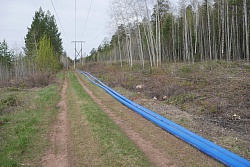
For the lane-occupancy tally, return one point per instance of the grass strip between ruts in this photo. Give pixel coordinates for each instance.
(115, 148)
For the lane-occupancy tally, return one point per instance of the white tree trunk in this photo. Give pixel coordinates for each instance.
(209, 32)
(222, 29)
(246, 30)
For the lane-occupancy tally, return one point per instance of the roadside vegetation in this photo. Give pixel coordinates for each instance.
(96, 139)
(25, 118)
(29, 92)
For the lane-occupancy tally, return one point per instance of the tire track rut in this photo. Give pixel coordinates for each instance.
(58, 153)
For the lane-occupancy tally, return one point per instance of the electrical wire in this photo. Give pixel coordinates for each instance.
(87, 18)
(75, 20)
(59, 21)
(93, 39)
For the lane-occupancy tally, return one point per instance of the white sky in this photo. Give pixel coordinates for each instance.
(17, 15)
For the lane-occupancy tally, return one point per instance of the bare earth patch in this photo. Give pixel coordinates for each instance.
(58, 153)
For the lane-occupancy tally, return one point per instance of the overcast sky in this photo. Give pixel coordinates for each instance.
(17, 15)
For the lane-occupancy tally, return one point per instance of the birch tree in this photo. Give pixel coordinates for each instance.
(246, 29)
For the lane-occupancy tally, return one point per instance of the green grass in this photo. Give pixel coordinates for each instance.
(23, 132)
(60, 77)
(116, 149)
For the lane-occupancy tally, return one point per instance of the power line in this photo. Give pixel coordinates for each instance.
(93, 39)
(86, 18)
(60, 21)
(75, 20)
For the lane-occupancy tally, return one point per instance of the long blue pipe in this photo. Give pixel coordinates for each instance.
(224, 156)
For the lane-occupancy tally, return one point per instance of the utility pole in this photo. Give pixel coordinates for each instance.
(77, 53)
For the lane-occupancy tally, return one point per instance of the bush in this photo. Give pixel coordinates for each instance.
(7, 101)
(39, 80)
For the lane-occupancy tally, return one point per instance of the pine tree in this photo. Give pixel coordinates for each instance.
(5, 61)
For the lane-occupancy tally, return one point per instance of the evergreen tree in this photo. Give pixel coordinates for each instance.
(5, 61)
(5, 53)
(43, 24)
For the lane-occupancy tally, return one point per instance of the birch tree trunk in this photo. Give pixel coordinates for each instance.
(209, 31)
(228, 50)
(173, 40)
(237, 33)
(119, 47)
(186, 36)
(148, 45)
(246, 30)
(157, 29)
(140, 46)
(151, 41)
(222, 29)
(196, 32)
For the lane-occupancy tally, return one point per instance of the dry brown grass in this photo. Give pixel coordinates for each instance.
(30, 81)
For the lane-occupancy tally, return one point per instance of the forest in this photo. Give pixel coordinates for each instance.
(195, 31)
